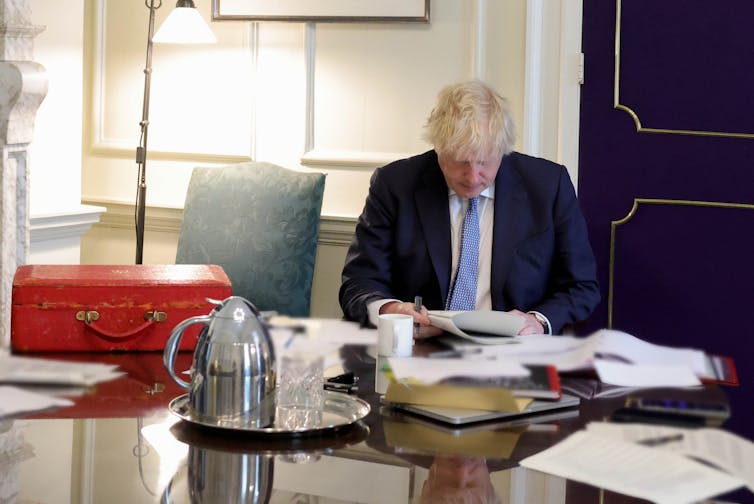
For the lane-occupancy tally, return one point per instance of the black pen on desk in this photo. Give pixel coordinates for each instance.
(418, 309)
(660, 440)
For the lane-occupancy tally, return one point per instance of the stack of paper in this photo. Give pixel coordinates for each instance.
(618, 358)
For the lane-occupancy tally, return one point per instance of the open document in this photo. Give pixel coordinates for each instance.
(480, 326)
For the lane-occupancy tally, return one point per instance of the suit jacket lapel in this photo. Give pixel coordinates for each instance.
(508, 195)
(432, 201)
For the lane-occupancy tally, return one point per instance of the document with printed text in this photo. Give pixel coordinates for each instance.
(632, 469)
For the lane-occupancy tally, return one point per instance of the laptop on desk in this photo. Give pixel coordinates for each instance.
(534, 412)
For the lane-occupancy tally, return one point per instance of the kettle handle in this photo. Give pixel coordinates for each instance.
(171, 347)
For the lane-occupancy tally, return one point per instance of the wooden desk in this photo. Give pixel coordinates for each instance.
(120, 444)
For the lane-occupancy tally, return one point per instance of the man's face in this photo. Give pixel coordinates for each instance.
(457, 478)
(469, 177)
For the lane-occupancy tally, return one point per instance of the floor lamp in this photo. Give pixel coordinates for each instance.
(184, 25)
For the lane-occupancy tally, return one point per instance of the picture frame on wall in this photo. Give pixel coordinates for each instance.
(416, 11)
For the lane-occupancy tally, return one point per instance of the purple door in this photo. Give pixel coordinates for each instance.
(666, 174)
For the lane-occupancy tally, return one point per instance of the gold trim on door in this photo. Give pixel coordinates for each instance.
(650, 201)
(639, 128)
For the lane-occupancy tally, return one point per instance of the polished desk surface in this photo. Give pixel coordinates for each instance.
(119, 443)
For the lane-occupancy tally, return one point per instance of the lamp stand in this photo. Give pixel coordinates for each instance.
(141, 150)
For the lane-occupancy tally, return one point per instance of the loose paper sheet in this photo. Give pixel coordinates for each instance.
(639, 351)
(322, 336)
(645, 375)
(334, 332)
(632, 469)
(567, 353)
(724, 449)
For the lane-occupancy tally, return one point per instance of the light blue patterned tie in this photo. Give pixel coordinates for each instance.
(463, 293)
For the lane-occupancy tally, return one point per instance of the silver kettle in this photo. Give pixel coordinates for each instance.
(233, 370)
(213, 475)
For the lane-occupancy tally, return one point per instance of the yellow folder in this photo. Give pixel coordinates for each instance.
(480, 398)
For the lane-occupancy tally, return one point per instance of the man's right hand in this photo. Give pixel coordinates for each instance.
(426, 329)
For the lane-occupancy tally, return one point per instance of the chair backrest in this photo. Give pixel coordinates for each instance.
(260, 222)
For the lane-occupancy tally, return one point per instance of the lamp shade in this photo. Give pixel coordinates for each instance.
(184, 25)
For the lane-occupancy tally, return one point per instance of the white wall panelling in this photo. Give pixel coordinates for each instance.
(532, 128)
(56, 238)
(552, 95)
(340, 98)
(201, 106)
(336, 97)
(480, 34)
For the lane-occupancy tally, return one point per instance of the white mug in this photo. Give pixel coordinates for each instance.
(395, 335)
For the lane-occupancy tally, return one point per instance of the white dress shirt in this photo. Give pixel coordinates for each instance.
(457, 207)
(486, 208)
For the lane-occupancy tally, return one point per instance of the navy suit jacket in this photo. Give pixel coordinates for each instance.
(541, 256)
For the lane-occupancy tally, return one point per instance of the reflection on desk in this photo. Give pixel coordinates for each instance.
(120, 444)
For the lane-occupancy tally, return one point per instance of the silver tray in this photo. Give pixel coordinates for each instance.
(340, 411)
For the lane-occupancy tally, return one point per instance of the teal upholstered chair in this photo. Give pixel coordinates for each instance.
(260, 222)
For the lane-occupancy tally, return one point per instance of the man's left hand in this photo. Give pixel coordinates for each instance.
(531, 324)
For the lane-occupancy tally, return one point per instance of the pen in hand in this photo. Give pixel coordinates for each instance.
(418, 309)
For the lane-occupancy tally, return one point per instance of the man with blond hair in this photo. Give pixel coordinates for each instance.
(471, 224)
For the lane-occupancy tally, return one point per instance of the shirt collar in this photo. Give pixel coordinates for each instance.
(488, 193)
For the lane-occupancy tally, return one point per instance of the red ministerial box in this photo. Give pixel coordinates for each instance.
(110, 307)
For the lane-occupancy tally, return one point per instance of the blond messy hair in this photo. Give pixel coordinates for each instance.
(470, 121)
